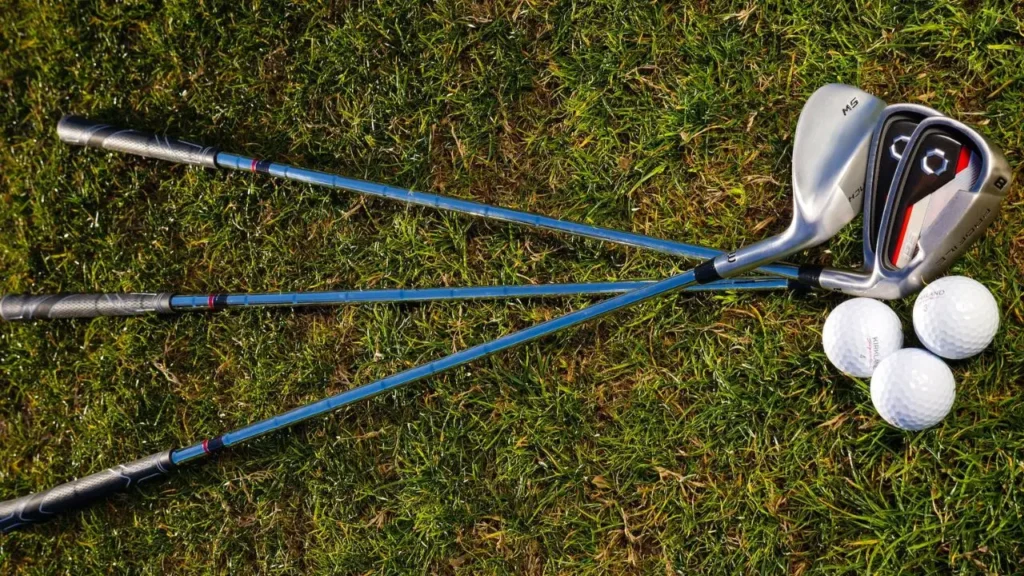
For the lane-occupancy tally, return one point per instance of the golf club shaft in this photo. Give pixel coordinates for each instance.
(75, 494)
(44, 505)
(56, 306)
(83, 132)
(183, 303)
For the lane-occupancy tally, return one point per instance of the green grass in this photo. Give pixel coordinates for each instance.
(693, 434)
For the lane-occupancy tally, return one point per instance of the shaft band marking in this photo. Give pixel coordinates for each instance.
(213, 444)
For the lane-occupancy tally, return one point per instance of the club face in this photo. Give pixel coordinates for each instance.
(829, 156)
(940, 166)
(944, 195)
(888, 142)
(954, 180)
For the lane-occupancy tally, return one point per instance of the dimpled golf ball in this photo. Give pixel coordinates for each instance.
(956, 317)
(859, 333)
(913, 389)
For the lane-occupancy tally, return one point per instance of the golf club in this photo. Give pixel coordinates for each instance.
(830, 148)
(895, 127)
(80, 131)
(94, 305)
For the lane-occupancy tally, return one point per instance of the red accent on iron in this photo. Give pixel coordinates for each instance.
(964, 160)
(903, 233)
(209, 301)
(206, 448)
(253, 165)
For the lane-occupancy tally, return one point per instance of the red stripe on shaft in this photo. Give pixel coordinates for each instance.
(206, 448)
(903, 233)
(964, 160)
(209, 301)
(253, 165)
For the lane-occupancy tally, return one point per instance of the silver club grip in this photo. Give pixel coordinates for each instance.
(54, 306)
(84, 132)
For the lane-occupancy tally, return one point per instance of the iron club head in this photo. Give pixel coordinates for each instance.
(945, 192)
(889, 141)
(829, 156)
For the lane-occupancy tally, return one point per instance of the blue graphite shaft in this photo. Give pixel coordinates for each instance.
(188, 302)
(42, 506)
(38, 507)
(84, 132)
(55, 306)
(207, 447)
(315, 177)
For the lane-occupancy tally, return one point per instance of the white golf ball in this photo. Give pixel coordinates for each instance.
(956, 317)
(913, 389)
(859, 333)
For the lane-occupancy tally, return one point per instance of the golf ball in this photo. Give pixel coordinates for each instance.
(859, 333)
(913, 389)
(956, 317)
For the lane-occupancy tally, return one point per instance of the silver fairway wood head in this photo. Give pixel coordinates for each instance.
(829, 156)
(945, 192)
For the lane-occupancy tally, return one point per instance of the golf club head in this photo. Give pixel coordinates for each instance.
(829, 156)
(945, 192)
(889, 141)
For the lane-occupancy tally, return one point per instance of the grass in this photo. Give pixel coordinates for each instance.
(701, 434)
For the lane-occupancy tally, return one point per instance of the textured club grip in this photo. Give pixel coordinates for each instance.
(78, 493)
(83, 132)
(55, 306)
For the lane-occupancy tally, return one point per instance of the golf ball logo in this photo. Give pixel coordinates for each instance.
(929, 296)
(956, 317)
(874, 350)
(859, 334)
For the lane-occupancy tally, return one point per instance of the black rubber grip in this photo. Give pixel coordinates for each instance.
(56, 306)
(43, 506)
(84, 132)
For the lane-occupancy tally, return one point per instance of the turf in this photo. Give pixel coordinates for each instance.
(694, 434)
